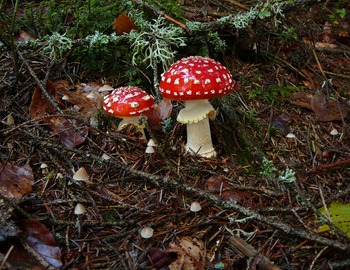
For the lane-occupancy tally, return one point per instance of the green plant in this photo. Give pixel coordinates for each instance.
(273, 93)
(272, 173)
(57, 45)
(75, 18)
(154, 41)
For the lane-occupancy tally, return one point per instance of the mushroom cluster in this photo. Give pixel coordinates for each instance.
(129, 103)
(195, 80)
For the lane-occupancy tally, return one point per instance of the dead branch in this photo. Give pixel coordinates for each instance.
(171, 183)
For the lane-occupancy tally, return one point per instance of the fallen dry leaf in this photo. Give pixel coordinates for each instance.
(325, 110)
(159, 259)
(160, 112)
(218, 183)
(24, 36)
(67, 133)
(40, 106)
(15, 181)
(328, 110)
(189, 253)
(123, 24)
(41, 241)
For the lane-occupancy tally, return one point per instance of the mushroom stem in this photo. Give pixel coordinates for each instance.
(199, 139)
(133, 121)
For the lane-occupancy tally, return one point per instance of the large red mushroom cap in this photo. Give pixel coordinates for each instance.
(196, 77)
(128, 101)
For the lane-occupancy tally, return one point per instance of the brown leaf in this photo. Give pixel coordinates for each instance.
(123, 24)
(325, 110)
(24, 36)
(43, 244)
(328, 110)
(301, 99)
(15, 181)
(40, 106)
(189, 253)
(68, 136)
(219, 183)
(158, 258)
(161, 111)
(87, 106)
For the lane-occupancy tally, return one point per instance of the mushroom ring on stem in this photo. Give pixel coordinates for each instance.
(129, 103)
(195, 80)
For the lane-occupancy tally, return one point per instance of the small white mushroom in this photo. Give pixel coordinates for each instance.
(152, 143)
(147, 232)
(105, 156)
(81, 175)
(290, 136)
(43, 168)
(195, 207)
(79, 209)
(149, 150)
(10, 121)
(334, 132)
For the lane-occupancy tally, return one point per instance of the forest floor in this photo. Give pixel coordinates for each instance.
(283, 154)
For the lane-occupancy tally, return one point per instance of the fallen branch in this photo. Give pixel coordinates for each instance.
(329, 166)
(171, 183)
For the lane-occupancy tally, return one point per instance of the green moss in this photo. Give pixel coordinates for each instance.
(273, 93)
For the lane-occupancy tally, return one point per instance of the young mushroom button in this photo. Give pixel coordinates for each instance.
(129, 103)
(195, 80)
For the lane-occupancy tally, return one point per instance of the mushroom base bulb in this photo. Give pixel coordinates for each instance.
(199, 139)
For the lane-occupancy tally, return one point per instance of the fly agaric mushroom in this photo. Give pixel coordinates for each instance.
(129, 103)
(195, 80)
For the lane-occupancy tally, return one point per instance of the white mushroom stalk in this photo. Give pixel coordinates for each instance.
(196, 115)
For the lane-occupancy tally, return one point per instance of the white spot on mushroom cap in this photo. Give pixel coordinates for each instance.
(134, 104)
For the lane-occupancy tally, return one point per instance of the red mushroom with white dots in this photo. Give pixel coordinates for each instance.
(129, 103)
(195, 80)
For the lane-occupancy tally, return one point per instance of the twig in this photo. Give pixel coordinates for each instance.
(329, 166)
(160, 13)
(242, 6)
(249, 251)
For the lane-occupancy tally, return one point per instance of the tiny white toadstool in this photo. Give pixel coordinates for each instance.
(79, 209)
(195, 80)
(334, 132)
(149, 150)
(290, 136)
(150, 147)
(44, 167)
(105, 156)
(81, 175)
(129, 103)
(10, 120)
(147, 232)
(195, 207)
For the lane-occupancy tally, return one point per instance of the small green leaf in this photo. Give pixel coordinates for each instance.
(340, 216)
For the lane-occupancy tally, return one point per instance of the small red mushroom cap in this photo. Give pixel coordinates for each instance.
(196, 77)
(128, 101)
